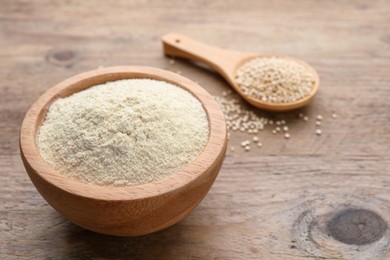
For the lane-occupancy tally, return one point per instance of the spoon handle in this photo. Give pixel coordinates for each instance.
(221, 60)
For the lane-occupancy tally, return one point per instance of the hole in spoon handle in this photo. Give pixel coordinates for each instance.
(180, 46)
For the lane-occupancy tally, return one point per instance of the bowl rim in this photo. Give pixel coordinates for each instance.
(207, 160)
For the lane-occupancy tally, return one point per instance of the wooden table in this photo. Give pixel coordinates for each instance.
(320, 197)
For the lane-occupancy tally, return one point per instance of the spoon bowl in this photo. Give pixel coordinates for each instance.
(128, 210)
(227, 62)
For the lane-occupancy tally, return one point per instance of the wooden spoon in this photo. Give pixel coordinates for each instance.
(226, 63)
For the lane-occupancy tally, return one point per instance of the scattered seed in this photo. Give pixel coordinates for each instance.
(178, 72)
(172, 61)
(232, 148)
(239, 116)
(245, 143)
(242, 117)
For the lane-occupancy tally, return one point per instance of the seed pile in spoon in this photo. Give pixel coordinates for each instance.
(275, 80)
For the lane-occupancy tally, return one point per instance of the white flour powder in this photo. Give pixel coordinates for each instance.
(125, 132)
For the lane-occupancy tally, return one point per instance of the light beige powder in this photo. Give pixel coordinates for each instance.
(125, 132)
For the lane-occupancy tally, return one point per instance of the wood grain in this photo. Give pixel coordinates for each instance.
(275, 202)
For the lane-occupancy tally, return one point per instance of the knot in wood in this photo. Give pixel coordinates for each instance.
(357, 226)
(61, 57)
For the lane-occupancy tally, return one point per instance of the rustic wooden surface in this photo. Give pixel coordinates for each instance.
(290, 199)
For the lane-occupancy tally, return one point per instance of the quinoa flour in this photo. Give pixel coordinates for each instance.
(123, 133)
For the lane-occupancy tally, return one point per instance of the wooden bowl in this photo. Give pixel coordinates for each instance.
(132, 210)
